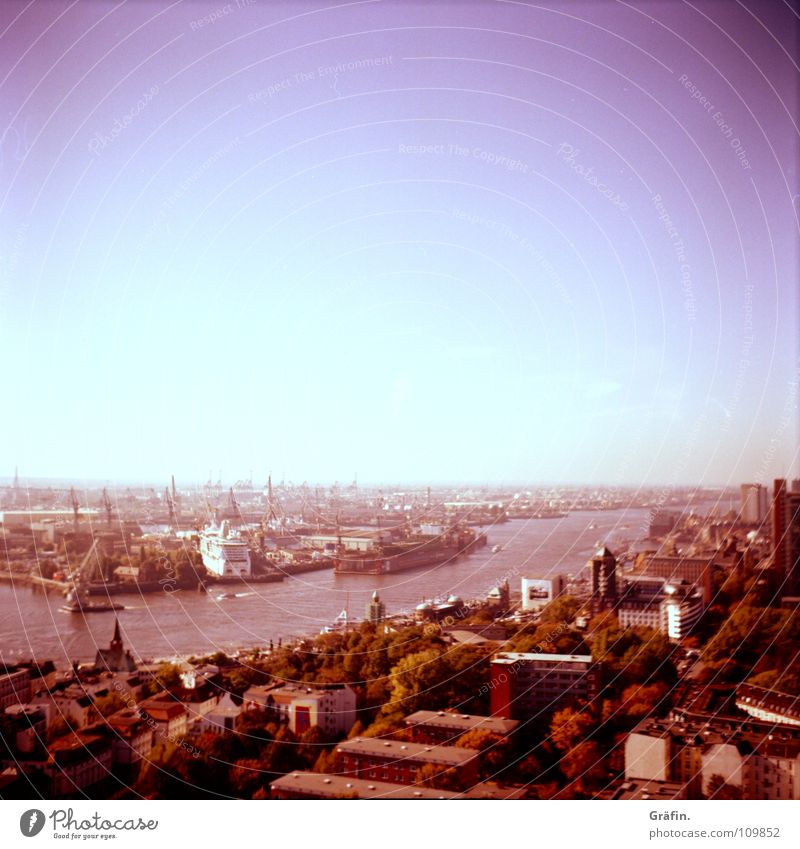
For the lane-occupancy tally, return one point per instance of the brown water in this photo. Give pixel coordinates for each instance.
(181, 623)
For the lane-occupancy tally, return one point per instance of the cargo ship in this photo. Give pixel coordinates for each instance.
(76, 602)
(413, 552)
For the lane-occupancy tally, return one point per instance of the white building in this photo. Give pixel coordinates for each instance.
(537, 592)
(681, 609)
(223, 717)
(754, 503)
(769, 705)
(72, 704)
(640, 602)
(332, 708)
(652, 602)
(15, 687)
(760, 765)
(224, 554)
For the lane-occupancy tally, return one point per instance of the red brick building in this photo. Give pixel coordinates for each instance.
(525, 685)
(397, 762)
(445, 727)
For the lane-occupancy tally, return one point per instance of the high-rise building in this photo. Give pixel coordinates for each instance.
(681, 610)
(786, 537)
(672, 607)
(526, 685)
(376, 609)
(754, 503)
(604, 580)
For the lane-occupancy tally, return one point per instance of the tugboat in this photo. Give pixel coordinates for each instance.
(74, 603)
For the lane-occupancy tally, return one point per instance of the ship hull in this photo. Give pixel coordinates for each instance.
(91, 607)
(388, 564)
(391, 560)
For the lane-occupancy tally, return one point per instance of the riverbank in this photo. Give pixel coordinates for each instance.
(185, 622)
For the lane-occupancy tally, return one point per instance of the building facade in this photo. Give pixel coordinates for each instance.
(15, 687)
(603, 567)
(769, 705)
(757, 764)
(373, 758)
(376, 609)
(754, 503)
(312, 785)
(332, 708)
(785, 511)
(538, 592)
(524, 685)
(445, 727)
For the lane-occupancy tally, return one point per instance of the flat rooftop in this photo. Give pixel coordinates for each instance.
(748, 695)
(461, 722)
(395, 750)
(642, 789)
(293, 690)
(336, 786)
(533, 657)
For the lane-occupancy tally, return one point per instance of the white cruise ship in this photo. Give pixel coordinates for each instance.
(223, 554)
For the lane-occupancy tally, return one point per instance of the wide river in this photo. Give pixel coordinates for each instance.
(160, 625)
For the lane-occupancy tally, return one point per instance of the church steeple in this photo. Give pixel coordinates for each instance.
(116, 642)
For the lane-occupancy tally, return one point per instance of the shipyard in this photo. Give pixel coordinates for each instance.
(648, 563)
(399, 403)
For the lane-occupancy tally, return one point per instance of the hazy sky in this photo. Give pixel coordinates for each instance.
(478, 241)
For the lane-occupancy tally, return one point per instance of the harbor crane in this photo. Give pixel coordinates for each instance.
(233, 506)
(75, 507)
(170, 507)
(271, 519)
(90, 567)
(108, 507)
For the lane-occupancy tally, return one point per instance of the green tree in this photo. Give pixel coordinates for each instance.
(718, 789)
(108, 704)
(246, 777)
(440, 777)
(633, 656)
(569, 727)
(167, 677)
(283, 755)
(47, 568)
(550, 638)
(435, 678)
(563, 609)
(584, 767)
(640, 700)
(312, 742)
(754, 640)
(326, 762)
(494, 748)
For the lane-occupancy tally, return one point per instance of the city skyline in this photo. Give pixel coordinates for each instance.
(261, 483)
(402, 401)
(404, 239)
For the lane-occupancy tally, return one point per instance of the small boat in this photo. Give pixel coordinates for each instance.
(75, 604)
(496, 548)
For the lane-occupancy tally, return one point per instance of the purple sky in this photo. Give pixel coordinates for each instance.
(484, 241)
